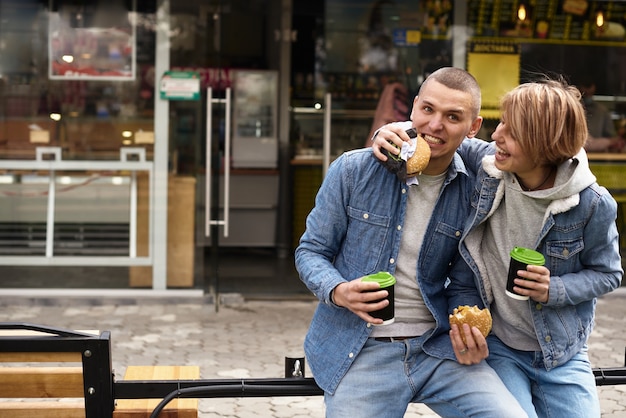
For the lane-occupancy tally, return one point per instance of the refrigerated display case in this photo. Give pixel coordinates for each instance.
(322, 132)
(240, 192)
(255, 110)
(319, 135)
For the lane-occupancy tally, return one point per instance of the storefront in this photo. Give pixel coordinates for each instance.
(152, 141)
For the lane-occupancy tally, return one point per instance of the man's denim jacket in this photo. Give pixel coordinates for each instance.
(580, 242)
(354, 230)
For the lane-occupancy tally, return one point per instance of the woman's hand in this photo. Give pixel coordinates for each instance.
(534, 283)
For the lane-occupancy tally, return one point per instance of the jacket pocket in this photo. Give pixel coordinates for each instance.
(563, 254)
(365, 239)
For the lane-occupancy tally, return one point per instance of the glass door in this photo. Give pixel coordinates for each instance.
(227, 143)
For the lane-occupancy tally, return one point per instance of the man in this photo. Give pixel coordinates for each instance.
(602, 135)
(366, 220)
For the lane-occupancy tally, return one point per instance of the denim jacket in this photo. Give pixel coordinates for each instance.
(579, 240)
(354, 230)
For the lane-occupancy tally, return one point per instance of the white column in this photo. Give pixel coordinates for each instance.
(161, 149)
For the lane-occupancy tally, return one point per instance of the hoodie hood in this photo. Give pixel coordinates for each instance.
(572, 176)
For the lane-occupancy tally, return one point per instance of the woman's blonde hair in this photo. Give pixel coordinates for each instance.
(547, 119)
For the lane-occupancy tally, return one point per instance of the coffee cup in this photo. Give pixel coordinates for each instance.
(521, 258)
(387, 282)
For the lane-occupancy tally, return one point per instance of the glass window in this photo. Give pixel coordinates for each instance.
(76, 75)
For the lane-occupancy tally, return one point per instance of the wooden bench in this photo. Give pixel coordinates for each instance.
(56, 375)
(68, 374)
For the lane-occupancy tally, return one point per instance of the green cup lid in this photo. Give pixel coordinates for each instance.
(528, 256)
(382, 277)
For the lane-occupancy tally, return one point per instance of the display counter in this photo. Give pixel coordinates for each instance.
(610, 172)
(307, 179)
(619, 157)
(78, 138)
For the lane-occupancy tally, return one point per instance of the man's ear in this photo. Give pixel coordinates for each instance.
(478, 122)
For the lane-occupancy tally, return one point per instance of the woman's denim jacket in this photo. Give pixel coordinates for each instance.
(579, 240)
(354, 230)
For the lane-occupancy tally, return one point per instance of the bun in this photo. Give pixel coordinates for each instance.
(474, 317)
(575, 7)
(420, 158)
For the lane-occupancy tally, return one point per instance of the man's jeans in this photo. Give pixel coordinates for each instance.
(567, 391)
(387, 376)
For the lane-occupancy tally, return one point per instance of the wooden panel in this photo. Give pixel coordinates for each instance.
(46, 409)
(180, 408)
(180, 232)
(41, 382)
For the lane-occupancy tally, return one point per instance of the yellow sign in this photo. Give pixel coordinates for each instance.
(496, 67)
(413, 37)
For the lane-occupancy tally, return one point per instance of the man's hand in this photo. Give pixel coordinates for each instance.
(358, 297)
(390, 138)
(598, 144)
(476, 349)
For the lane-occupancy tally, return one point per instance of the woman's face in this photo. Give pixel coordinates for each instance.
(509, 155)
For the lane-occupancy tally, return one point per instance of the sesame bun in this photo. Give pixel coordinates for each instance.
(420, 158)
(474, 317)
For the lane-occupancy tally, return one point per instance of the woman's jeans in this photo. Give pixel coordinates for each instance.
(387, 376)
(567, 391)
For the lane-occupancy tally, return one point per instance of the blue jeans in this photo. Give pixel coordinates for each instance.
(387, 376)
(567, 391)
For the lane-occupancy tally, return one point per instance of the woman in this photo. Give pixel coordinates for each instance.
(535, 190)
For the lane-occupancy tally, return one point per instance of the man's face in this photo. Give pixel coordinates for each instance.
(443, 116)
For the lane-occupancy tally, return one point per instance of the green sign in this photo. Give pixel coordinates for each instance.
(180, 85)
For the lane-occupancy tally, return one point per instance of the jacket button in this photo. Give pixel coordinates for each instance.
(391, 261)
(548, 338)
(351, 355)
(403, 191)
(565, 252)
(399, 227)
(365, 216)
(539, 306)
(369, 325)
(555, 363)
(457, 233)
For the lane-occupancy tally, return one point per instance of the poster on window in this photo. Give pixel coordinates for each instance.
(92, 40)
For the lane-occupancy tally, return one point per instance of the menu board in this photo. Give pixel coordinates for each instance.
(496, 67)
(556, 20)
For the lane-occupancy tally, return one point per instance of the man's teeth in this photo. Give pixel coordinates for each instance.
(432, 139)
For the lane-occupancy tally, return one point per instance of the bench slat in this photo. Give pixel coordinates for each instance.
(41, 382)
(180, 408)
(47, 409)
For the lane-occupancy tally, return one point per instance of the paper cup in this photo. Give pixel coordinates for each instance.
(521, 258)
(386, 282)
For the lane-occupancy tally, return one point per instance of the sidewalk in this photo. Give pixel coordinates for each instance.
(248, 339)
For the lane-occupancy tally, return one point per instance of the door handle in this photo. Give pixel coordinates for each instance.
(208, 180)
(328, 103)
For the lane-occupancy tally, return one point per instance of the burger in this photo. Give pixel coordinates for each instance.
(415, 164)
